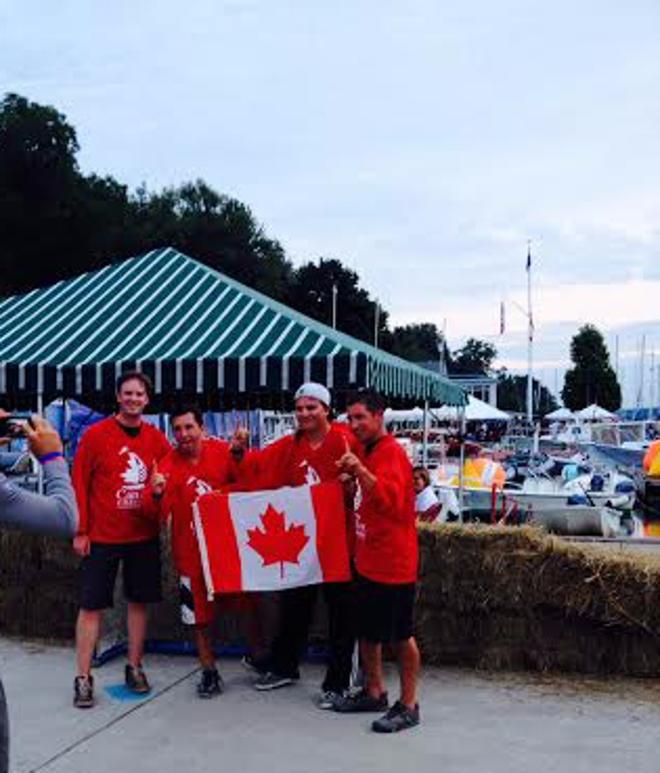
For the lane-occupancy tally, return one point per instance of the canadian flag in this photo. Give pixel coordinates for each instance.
(271, 540)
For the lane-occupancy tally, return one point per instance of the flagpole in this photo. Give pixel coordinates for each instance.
(334, 305)
(530, 338)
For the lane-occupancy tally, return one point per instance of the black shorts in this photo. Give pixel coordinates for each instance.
(140, 572)
(384, 612)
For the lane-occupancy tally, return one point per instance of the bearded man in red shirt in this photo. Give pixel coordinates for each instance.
(386, 556)
(309, 456)
(110, 471)
(199, 464)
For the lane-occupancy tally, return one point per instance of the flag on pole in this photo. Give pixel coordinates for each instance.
(528, 266)
(502, 318)
(271, 540)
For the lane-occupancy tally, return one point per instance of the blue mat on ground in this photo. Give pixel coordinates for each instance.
(119, 692)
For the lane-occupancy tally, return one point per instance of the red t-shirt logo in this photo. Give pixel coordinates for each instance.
(134, 476)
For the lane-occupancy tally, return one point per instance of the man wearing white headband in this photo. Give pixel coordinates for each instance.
(309, 456)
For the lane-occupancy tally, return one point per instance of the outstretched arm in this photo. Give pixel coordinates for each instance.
(54, 513)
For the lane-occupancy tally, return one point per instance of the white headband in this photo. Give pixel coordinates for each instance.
(314, 390)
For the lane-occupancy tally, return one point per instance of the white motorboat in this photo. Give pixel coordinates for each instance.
(541, 494)
(583, 520)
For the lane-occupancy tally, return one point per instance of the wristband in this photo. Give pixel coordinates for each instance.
(50, 457)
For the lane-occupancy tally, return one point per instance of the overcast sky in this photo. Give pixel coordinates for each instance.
(422, 143)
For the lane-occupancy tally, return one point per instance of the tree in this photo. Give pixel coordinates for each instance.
(38, 190)
(56, 222)
(592, 378)
(218, 230)
(311, 294)
(417, 342)
(512, 394)
(473, 357)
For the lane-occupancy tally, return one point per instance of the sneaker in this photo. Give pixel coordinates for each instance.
(399, 717)
(272, 681)
(329, 699)
(83, 692)
(251, 663)
(361, 701)
(210, 684)
(135, 680)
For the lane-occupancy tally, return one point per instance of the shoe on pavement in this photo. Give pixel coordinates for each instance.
(361, 701)
(210, 684)
(329, 699)
(136, 680)
(250, 663)
(272, 681)
(83, 692)
(399, 717)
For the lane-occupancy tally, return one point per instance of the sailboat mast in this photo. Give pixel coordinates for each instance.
(530, 339)
(642, 357)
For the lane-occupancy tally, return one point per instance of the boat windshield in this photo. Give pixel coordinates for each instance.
(617, 434)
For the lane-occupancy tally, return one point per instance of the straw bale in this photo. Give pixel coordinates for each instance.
(498, 597)
(488, 597)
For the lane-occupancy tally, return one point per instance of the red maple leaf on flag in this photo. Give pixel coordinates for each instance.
(277, 544)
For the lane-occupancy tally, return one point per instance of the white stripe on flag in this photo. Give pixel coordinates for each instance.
(203, 550)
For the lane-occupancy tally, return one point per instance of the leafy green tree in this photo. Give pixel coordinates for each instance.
(38, 190)
(474, 356)
(311, 294)
(512, 394)
(417, 342)
(592, 378)
(56, 222)
(216, 229)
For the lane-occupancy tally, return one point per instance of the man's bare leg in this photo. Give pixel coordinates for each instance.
(409, 664)
(88, 628)
(137, 632)
(204, 647)
(372, 661)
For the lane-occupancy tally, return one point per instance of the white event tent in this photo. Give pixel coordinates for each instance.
(561, 414)
(594, 412)
(476, 410)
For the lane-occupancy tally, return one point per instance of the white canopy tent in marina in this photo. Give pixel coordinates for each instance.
(561, 414)
(594, 412)
(475, 410)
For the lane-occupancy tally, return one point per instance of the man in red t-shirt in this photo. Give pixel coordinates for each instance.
(309, 456)
(386, 563)
(197, 465)
(110, 472)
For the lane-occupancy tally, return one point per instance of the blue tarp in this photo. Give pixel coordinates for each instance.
(639, 414)
(72, 419)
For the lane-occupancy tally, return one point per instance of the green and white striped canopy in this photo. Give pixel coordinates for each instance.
(193, 330)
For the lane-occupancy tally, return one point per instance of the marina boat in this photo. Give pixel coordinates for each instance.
(544, 494)
(588, 521)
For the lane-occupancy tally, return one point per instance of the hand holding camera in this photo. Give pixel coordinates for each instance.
(41, 435)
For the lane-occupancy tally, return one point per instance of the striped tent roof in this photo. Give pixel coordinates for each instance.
(193, 330)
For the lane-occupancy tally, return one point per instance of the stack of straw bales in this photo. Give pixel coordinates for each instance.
(511, 598)
(489, 597)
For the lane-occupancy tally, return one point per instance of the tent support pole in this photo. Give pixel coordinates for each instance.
(461, 462)
(40, 469)
(425, 435)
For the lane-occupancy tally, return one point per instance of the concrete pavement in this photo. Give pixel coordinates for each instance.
(472, 723)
